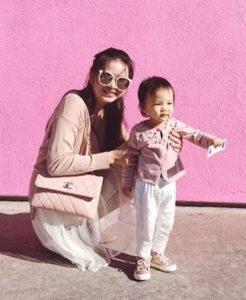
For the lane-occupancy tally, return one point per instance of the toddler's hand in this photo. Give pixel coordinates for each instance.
(215, 142)
(127, 191)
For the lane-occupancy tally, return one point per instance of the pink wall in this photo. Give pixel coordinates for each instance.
(47, 47)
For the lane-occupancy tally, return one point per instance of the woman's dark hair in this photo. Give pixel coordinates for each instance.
(113, 112)
(148, 87)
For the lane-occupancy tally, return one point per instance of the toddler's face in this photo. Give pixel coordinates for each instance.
(159, 106)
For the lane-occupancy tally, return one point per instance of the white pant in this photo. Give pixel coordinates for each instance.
(155, 209)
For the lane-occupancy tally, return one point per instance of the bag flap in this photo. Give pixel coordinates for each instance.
(83, 185)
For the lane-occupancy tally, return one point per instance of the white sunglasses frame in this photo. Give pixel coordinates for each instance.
(113, 78)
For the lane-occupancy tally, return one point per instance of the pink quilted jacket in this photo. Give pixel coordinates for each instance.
(157, 158)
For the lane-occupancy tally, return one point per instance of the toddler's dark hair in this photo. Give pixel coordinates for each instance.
(148, 87)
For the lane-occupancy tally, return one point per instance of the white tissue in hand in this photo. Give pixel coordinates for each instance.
(212, 150)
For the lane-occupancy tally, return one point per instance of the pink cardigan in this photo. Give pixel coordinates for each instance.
(64, 150)
(157, 158)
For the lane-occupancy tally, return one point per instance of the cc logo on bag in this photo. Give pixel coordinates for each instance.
(68, 185)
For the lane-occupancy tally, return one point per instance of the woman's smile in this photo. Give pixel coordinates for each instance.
(109, 93)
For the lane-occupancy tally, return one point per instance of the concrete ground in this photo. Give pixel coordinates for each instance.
(208, 245)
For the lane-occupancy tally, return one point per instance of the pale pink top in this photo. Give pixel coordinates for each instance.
(157, 158)
(70, 134)
(65, 148)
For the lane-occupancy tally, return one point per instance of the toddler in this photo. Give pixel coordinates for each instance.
(159, 166)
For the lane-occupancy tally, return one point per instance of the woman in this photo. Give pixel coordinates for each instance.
(63, 152)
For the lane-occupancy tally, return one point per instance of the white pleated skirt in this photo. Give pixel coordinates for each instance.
(74, 238)
(89, 243)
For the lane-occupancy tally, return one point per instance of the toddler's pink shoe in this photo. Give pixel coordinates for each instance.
(162, 263)
(142, 271)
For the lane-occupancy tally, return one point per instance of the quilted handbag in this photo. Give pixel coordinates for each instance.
(77, 195)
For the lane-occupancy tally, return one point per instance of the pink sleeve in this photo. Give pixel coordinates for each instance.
(195, 136)
(68, 125)
(128, 173)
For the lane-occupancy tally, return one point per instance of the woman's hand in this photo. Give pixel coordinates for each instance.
(124, 157)
(176, 141)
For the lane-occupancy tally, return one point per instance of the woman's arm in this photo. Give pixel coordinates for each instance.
(67, 130)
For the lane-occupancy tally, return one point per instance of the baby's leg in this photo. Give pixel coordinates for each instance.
(146, 211)
(165, 216)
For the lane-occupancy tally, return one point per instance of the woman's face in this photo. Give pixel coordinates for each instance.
(110, 93)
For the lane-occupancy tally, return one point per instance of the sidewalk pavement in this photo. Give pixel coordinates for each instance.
(208, 244)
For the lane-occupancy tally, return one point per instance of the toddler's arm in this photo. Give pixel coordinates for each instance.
(128, 172)
(197, 136)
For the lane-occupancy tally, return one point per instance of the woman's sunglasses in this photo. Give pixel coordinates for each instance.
(105, 78)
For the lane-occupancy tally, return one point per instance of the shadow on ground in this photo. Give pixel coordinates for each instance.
(17, 239)
(124, 263)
